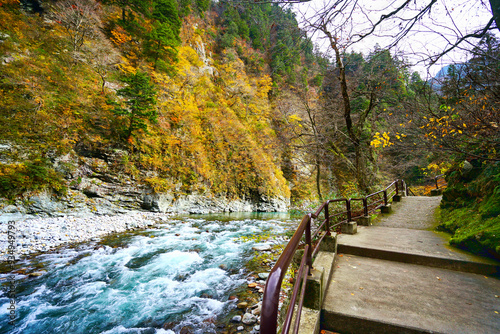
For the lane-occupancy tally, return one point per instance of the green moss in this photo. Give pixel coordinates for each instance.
(471, 209)
(471, 232)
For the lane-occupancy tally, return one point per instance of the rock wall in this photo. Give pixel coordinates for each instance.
(95, 187)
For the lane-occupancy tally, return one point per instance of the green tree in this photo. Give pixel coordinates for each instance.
(160, 46)
(165, 11)
(202, 5)
(139, 104)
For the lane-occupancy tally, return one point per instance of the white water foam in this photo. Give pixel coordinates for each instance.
(170, 275)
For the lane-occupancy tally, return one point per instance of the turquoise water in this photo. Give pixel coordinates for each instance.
(180, 275)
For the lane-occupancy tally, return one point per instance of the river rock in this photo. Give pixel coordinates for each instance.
(256, 311)
(240, 328)
(242, 305)
(263, 275)
(185, 330)
(249, 319)
(262, 248)
(236, 318)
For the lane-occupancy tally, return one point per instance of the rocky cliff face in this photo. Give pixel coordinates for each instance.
(97, 186)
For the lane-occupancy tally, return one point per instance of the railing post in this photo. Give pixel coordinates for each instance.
(365, 206)
(309, 242)
(327, 219)
(385, 198)
(348, 209)
(436, 180)
(397, 187)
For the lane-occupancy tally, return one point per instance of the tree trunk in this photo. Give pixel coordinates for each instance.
(353, 131)
(495, 8)
(318, 178)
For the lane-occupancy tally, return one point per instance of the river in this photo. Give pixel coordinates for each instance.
(177, 275)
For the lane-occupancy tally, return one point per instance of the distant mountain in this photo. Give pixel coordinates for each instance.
(443, 74)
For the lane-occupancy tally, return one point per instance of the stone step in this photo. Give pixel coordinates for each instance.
(369, 295)
(416, 247)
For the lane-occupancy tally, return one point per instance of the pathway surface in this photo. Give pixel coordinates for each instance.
(398, 276)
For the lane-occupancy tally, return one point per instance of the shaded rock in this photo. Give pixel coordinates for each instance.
(236, 318)
(256, 311)
(249, 319)
(186, 330)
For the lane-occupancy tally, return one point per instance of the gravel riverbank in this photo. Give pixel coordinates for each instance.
(45, 234)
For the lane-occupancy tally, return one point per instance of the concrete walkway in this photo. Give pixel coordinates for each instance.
(398, 276)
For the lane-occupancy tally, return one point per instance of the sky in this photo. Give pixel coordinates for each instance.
(447, 21)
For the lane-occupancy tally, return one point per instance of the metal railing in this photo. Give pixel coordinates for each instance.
(331, 219)
(440, 181)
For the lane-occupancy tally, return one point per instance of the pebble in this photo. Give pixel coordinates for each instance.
(240, 328)
(45, 234)
(236, 318)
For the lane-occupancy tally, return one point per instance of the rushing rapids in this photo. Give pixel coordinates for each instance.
(178, 275)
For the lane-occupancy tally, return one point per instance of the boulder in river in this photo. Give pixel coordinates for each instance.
(249, 319)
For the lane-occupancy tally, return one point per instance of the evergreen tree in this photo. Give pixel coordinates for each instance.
(165, 11)
(140, 95)
(160, 46)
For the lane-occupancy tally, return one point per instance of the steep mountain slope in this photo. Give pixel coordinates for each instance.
(143, 104)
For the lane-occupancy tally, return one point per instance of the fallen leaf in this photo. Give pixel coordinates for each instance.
(496, 296)
(352, 294)
(340, 255)
(361, 288)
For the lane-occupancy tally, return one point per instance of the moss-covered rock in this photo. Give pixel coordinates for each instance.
(471, 209)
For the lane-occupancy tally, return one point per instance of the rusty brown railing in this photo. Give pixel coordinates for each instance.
(270, 302)
(440, 181)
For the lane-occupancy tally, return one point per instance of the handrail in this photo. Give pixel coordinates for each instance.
(270, 302)
(439, 182)
(440, 177)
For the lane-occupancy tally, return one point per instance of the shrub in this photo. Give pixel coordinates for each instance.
(35, 175)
